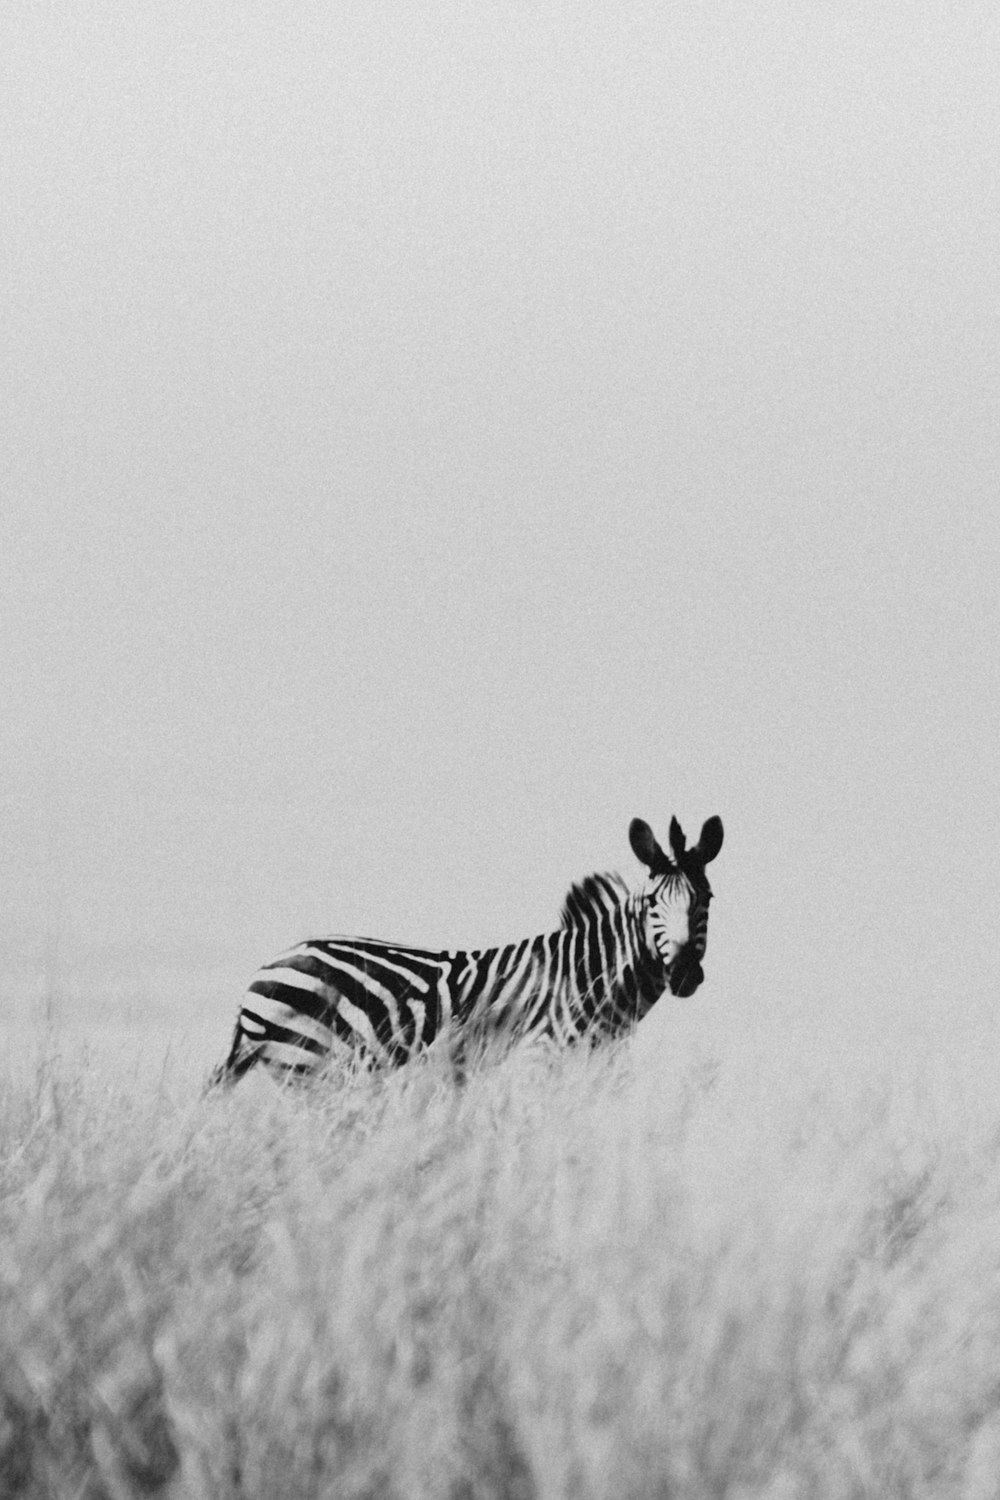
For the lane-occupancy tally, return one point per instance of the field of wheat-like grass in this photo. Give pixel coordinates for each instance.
(572, 1279)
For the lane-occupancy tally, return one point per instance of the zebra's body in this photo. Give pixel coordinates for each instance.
(595, 977)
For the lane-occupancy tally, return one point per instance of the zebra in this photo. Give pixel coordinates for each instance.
(593, 979)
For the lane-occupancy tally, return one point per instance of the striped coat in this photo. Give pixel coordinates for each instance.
(593, 978)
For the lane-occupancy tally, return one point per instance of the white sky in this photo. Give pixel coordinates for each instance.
(437, 433)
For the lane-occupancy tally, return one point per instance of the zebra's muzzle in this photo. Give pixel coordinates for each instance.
(685, 981)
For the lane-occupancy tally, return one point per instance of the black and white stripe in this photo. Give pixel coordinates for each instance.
(595, 977)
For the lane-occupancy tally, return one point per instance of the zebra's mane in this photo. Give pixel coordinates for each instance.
(595, 894)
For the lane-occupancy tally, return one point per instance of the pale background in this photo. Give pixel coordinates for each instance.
(435, 433)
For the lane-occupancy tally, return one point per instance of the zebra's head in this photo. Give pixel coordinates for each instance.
(676, 899)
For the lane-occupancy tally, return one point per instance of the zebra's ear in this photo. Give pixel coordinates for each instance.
(678, 843)
(711, 840)
(644, 845)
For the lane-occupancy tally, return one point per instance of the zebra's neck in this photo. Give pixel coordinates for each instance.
(595, 974)
(619, 977)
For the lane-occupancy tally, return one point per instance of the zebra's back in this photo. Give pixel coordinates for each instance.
(385, 1002)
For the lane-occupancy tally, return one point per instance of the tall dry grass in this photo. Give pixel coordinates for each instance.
(571, 1278)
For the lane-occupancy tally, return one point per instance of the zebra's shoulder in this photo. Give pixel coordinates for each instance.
(595, 894)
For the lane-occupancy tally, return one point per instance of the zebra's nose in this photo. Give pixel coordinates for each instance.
(688, 980)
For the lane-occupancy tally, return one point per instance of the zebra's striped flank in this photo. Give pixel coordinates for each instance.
(594, 978)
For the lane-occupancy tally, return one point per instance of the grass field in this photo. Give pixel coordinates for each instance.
(595, 1276)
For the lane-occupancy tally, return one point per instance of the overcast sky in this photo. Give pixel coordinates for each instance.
(437, 433)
